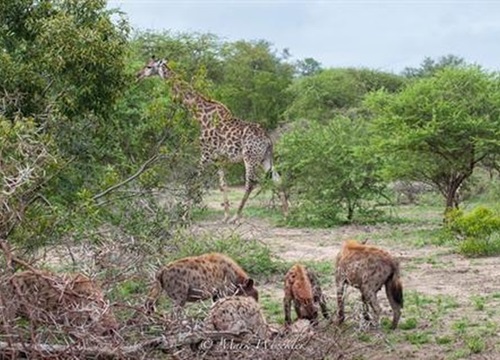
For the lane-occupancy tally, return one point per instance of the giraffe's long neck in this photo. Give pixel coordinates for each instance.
(209, 113)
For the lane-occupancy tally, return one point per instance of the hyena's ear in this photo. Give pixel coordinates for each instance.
(249, 289)
(248, 284)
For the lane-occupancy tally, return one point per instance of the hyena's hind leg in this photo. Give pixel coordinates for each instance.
(319, 297)
(152, 298)
(324, 309)
(371, 298)
(365, 305)
(287, 305)
(340, 285)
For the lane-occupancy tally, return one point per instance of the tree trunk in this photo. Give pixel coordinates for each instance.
(452, 192)
(350, 212)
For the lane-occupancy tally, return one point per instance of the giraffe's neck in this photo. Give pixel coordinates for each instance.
(209, 113)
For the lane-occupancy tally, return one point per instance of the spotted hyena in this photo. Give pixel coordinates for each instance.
(201, 277)
(368, 268)
(46, 297)
(238, 314)
(302, 287)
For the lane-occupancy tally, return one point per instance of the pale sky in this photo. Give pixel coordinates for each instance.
(384, 35)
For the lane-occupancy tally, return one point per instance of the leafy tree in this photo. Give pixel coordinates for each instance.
(26, 158)
(429, 66)
(63, 55)
(254, 82)
(63, 68)
(330, 172)
(439, 128)
(308, 67)
(189, 53)
(333, 91)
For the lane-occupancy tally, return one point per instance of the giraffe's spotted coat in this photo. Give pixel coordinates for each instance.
(223, 136)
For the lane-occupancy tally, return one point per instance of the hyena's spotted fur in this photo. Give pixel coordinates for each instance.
(238, 314)
(201, 277)
(303, 289)
(45, 297)
(368, 268)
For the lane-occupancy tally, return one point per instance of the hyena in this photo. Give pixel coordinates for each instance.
(199, 278)
(368, 268)
(302, 287)
(238, 314)
(45, 297)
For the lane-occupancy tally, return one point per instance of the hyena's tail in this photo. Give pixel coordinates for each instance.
(394, 287)
(394, 291)
(268, 165)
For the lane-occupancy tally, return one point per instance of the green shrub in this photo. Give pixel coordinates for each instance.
(480, 222)
(477, 232)
(252, 255)
(474, 247)
(332, 175)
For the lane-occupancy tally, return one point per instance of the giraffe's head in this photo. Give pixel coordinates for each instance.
(155, 67)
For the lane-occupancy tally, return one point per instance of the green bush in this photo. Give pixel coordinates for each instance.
(252, 255)
(480, 222)
(474, 247)
(330, 172)
(478, 231)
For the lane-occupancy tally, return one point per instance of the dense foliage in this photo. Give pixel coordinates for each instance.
(330, 172)
(477, 231)
(438, 129)
(62, 69)
(336, 91)
(83, 144)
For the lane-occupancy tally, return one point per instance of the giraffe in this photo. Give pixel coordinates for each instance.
(223, 136)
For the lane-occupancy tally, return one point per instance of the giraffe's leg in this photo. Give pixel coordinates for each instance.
(250, 181)
(223, 189)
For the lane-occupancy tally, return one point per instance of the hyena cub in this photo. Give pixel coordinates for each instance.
(302, 287)
(368, 268)
(201, 277)
(45, 297)
(238, 314)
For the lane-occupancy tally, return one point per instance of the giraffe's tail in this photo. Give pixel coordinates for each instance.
(268, 165)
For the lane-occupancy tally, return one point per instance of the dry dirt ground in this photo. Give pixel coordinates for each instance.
(451, 302)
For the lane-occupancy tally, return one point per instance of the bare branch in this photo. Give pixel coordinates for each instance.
(143, 168)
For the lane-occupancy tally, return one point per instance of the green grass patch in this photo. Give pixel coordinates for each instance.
(364, 337)
(128, 288)
(475, 344)
(444, 340)
(411, 235)
(273, 309)
(460, 326)
(418, 337)
(323, 268)
(478, 302)
(408, 324)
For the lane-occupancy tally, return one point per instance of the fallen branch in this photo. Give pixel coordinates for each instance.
(11, 259)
